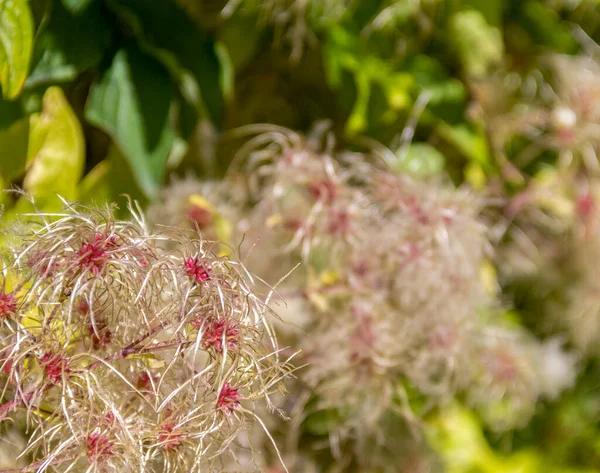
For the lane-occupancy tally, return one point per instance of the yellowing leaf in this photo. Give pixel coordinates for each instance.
(16, 41)
(94, 187)
(329, 278)
(149, 360)
(478, 43)
(31, 322)
(56, 151)
(489, 277)
(274, 220)
(223, 232)
(456, 435)
(475, 176)
(221, 226)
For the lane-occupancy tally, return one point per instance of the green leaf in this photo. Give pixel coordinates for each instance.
(16, 39)
(322, 422)
(547, 27)
(492, 10)
(431, 77)
(56, 152)
(188, 53)
(10, 112)
(456, 436)
(242, 39)
(227, 77)
(69, 45)
(479, 44)
(470, 141)
(13, 150)
(110, 181)
(131, 103)
(94, 188)
(420, 159)
(76, 6)
(344, 53)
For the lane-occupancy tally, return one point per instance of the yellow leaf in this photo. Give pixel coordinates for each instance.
(16, 41)
(221, 226)
(199, 201)
(475, 176)
(329, 278)
(274, 220)
(44, 411)
(94, 188)
(31, 322)
(456, 435)
(56, 152)
(489, 277)
(150, 361)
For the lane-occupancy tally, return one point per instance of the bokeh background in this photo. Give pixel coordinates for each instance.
(490, 108)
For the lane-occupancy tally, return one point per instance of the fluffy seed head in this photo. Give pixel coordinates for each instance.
(141, 348)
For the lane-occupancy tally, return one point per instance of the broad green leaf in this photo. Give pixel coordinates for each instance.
(149, 360)
(456, 436)
(56, 151)
(188, 52)
(242, 39)
(110, 181)
(479, 45)
(10, 112)
(431, 77)
(13, 150)
(76, 6)
(420, 159)
(94, 188)
(131, 103)
(490, 9)
(227, 77)
(121, 181)
(546, 27)
(345, 53)
(4, 198)
(69, 45)
(475, 176)
(528, 461)
(16, 40)
(322, 422)
(470, 141)
(395, 15)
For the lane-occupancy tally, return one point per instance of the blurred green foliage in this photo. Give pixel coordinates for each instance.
(108, 97)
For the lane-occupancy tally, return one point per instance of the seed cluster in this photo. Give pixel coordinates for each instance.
(124, 356)
(395, 292)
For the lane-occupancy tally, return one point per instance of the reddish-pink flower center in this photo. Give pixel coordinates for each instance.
(362, 340)
(502, 365)
(339, 222)
(443, 337)
(202, 217)
(217, 332)
(417, 211)
(94, 254)
(101, 336)
(146, 380)
(8, 305)
(228, 398)
(54, 366)
(585, 206)
(99, 447)
(168, 436)
(196, 269)
(324, 191)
